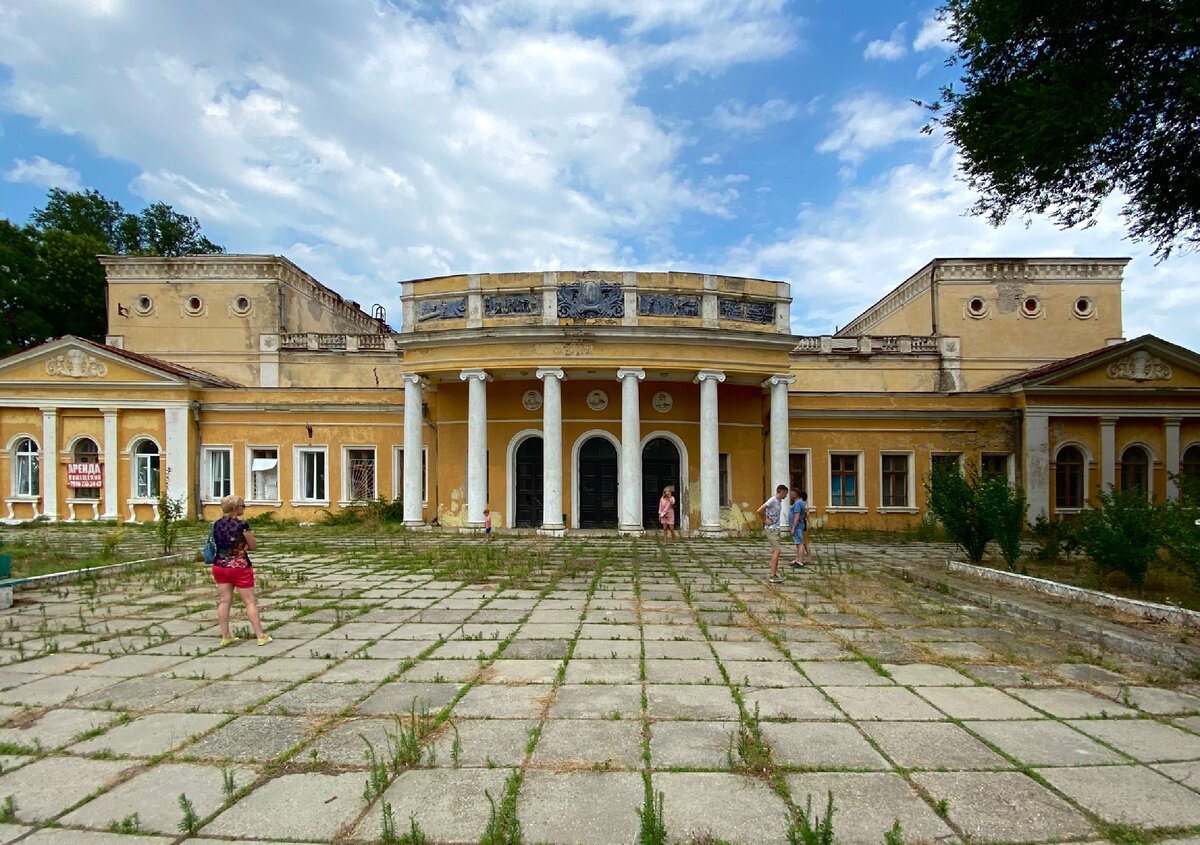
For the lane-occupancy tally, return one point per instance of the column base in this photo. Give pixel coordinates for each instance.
(713, 531)
(631, 530)
(471, 528)
(417, 525)
(559, 530)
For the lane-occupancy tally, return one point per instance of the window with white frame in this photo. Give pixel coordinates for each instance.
(725, 480)
(895, 477)
(310, 475)
(85, 451)
(216, 472)
(844, 479)
(146, 465)
(995, 466)
(27, 469)
(398, 474)
(359, 467)
(263, 475)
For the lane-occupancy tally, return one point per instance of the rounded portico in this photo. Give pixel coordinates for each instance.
(570, 400)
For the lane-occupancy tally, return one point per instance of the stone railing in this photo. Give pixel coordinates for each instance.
(866, 345)
(319, 342)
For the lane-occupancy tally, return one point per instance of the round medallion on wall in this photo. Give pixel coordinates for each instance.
(597, 400)
(532, 400)
(662, 401)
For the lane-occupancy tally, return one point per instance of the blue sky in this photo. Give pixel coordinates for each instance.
(372, 142)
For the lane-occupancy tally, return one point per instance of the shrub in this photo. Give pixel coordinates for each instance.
(1181, 527)
(1003, 509)
(1122, 533)
(974, 511)
(170, 511)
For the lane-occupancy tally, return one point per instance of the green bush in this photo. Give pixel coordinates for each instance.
(1181, 527)
(1122, 533)
(974, 511)
(1003, 508)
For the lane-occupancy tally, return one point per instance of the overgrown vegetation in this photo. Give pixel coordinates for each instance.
(1122, 533)
(170, 512)
(977, 510)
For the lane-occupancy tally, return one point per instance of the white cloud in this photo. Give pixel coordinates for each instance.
(869, 121)
(711, 158)
(844, 257)
(738, 118)
(934, 34)
(43, 173)
(889, 50)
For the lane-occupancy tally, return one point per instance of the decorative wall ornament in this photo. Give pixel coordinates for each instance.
(532, 400)
(442, 309)
(668, 305)
(1140, 366)
(746, 312)
(662, 401)
(76, 363)
(597, 400)
(512, 305)
(591, 299)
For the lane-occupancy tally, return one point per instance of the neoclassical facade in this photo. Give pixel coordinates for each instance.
(566, 401)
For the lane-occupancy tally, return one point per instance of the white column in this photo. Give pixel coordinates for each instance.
(476, 445)
(552, 471)
(49, 463)
(631, 451)
(177, 453)
(1108, 453)
(710, 476)
(1171, 458)
(413, 446)
(1037, 465)
(779, 430)
(111, 465)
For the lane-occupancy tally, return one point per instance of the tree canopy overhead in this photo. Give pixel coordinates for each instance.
(1063, 103)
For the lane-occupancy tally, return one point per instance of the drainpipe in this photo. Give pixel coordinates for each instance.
(195, 406)
(1018, 439)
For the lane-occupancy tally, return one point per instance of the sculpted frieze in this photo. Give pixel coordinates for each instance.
(590, 300)
(442, 309)
(668, 305)
(512, 305)
(1140, 366)
(75, 363)
(746, 312)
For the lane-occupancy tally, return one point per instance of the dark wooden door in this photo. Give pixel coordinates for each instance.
(597, 484)
(660, 467)
(527, 505)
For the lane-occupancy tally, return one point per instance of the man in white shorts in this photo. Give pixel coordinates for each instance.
(771, 510)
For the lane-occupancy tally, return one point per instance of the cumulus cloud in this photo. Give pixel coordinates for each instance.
(739, 118)
(934, 34)
(890, 49)
(869, 121)
(43, 173)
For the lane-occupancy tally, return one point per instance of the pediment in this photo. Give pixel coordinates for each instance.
(71, 361)
(1146, 362)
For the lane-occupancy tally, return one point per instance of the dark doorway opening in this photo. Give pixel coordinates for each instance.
(527, 503)
(597, 484)
(660, 467)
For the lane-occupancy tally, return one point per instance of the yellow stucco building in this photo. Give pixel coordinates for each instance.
(568, 400)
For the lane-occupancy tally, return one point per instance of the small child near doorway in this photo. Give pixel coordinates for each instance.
(487, 524)
(666, 514)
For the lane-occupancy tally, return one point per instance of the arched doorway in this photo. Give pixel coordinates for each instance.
(660, 467)
(527, 483)
(597, 489)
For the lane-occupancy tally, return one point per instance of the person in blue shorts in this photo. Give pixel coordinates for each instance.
(798, 520)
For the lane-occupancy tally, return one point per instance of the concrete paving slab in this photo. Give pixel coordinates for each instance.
(800, 703)
(225, 696)
(315, 697)
(821, 745)
(433, 671)
(1086, 673)
(57, 836)
(54, 690)
(757, 673)
(370, 672)
(251, 739)
(750, 650)
(662, 671)
(669, 650)
(690, 702)
(138, 693)
(1157, 701)
(867, 804)
(46, 787)
(976, 703)
(1044, 743)
(926, 675)
(545, 650)
(398, 697)
(284, 669)
(589, 742)
(699, 745)
(12, 832)
(1142, 739)
(1004, 807)
(1067, 703)
(1131, 795)
(727, 807)
(450, 805)
(298, 806)
(580, 808)
(603, 671)
(933, 745)
(522, 671)
(483, 743)
(56, 728)
(345, 744)
(843, 674)
(151, 735)
(597, 701)
(503, 702)
(154, 796)
(396, 649)
(882, 703)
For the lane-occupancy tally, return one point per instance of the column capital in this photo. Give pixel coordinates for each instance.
(482, 375)
(416, 378)
(1108, 420)
(1172, 422)
(551, 372)
(626, 372)
(705, 375)
(46, 412)
(771, 381)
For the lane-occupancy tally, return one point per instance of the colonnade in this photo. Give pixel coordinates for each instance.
(630, 458)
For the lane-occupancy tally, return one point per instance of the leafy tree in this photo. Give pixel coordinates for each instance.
(975, 510)
(24, 304)
(1003, 507)
(1063, 103)
(1121, 533)
(82, 213)
(1181, 527)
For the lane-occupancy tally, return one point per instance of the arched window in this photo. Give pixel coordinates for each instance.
(1135, 469)
(1068, 478)
(27, 472)
(1190, 465)
(85, 452)
(145, 469)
